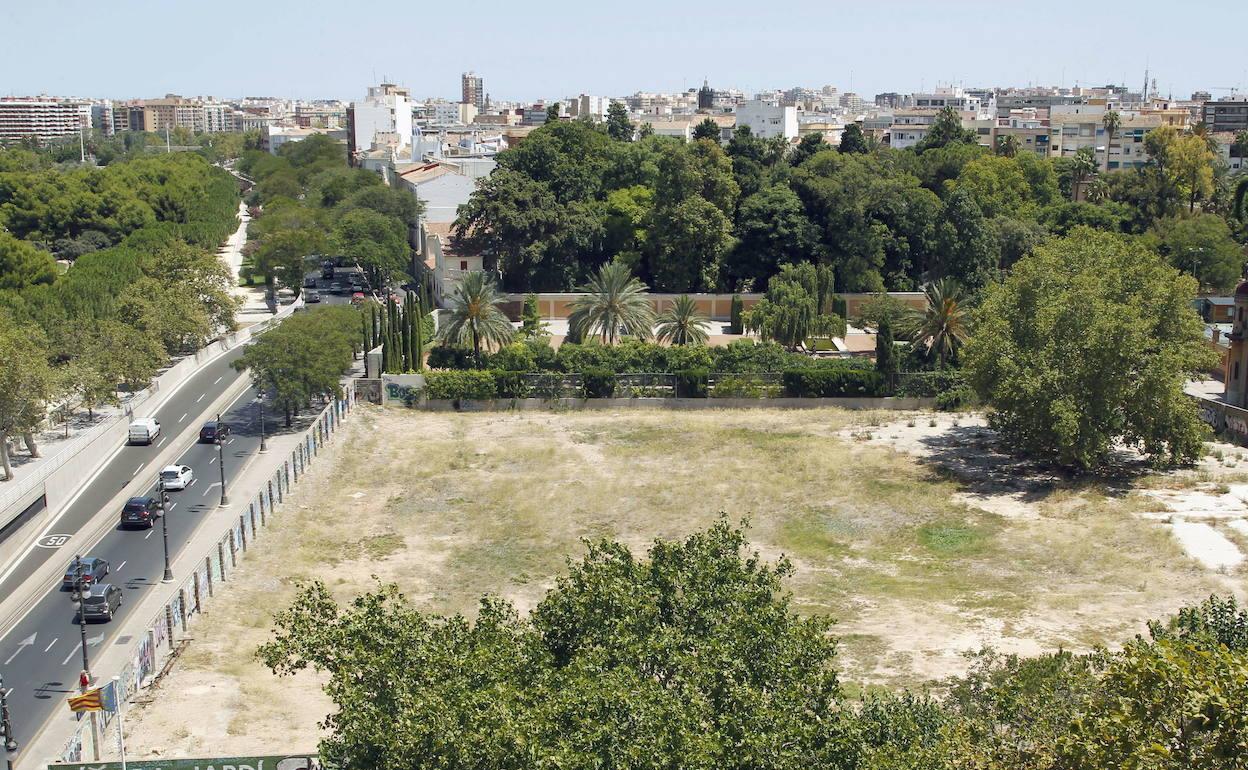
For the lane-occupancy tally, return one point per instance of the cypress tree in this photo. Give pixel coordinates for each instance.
(418, 331)
(738, 306)
(886, 352)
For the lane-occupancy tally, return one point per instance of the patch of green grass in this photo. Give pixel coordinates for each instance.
(382, 546)
(952, 538)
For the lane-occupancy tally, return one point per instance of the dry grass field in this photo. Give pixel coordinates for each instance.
(920, 541)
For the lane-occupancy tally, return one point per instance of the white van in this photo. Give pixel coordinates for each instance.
(144, 430)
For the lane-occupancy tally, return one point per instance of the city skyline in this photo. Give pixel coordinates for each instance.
(529, 55)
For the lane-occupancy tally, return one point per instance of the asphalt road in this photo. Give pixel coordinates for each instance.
(41, 656)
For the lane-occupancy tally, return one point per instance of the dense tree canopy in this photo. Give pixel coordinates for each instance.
(1088, 343)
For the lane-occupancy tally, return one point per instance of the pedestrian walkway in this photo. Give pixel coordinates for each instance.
(254, 307)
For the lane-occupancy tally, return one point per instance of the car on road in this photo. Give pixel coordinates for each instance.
(176, 477)
(358, 298)
(214, 432)
(140, 512)
(327, 269)
(311, 295)
(93, 571)
(101, 602)
(309, 282)
(143, 430)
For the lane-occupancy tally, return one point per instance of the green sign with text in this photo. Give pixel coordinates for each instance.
(275, 762)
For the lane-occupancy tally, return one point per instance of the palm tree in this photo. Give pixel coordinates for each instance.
(474, 315)
(1112, 120)
(682, 324)
(1007, 146)
(1081, 170)
(615, 302)
(942, 327)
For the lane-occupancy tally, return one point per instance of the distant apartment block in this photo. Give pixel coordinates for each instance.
(44, 118)
(473, 90)
(768, 119)
(1228, 114)
(382, 121)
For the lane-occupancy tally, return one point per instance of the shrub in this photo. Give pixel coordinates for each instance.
(734, 322)
(930, 384)
(450, 357)
(455, 385)
(957, 397)
(510, 384)
(747, 356)
(829, 382)
(745, 386)
(599, 382)
(516, 357)
(691, 383)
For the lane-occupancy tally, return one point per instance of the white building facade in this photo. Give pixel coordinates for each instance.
(768, 119)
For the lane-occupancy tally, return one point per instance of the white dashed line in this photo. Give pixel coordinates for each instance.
(212, 460)
(201, 398)
(183, 417)
(214, 382)
(136, 470)
(150, 532)
(161, 442)
(54, 641)
(72, 653)
(119, 567)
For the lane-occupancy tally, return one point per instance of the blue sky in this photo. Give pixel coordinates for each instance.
(527, 50)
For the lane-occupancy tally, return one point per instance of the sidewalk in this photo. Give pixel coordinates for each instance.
(162, 622)
(254, 309)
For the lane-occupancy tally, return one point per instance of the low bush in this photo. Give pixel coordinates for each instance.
(450, 357)
(830, 382)
(745, 386)
(510, 384)
(958, 397)
(472, 384)
(929, 384)
(691, 383)
(599, 382)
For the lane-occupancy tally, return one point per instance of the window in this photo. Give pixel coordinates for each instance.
(463, 264)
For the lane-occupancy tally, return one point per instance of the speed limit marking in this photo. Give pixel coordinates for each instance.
(52, 541)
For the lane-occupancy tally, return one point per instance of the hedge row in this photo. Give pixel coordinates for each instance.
(634, 356)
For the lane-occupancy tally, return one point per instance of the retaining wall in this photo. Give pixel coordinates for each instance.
(539, 404)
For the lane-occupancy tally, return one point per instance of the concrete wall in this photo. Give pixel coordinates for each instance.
(717, 307)
(400, 388)
(1226, 420)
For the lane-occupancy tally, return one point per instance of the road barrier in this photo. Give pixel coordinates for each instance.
(213, 569)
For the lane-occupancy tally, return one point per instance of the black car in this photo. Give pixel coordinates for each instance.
(213, 432)
(309, 282)
(93, 571)
(327, 269)
(337, 288)
(101, 602)
(140, 512)
(311, 295)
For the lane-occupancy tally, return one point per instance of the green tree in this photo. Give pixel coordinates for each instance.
(786, 315)
(707, 129)
(807, 147)
(22, 265)
(531, 324)
(1083, 168)
(619, 127)
(886, 352)
(615, 303)
(682, 324)
(552, 112)
(1088, 343)
(26, 385)
(945, 130)
(627, 662)
(1203, 246)
(1191, 161)
(687, 243)
(966, 243)
(378, 243)
(1006, 146)
(772, 230)
(474, 317)
(853, 140)
(942, 327)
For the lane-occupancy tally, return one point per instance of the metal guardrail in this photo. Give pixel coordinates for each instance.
(170, 624)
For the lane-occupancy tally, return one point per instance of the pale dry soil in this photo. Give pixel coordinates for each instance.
(911, 530)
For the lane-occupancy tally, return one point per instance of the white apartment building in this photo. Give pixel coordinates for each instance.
(943, 97)
(44, 117)
(768, 119)
(386, 110)
(908, 128)
(1075, 126)
(586, 106)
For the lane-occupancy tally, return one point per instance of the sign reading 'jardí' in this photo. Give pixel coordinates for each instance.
(275, 762)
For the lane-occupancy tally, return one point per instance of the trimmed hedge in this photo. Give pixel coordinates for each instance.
(930, 384)
(469, 384)
(829, 382)
(599, 382)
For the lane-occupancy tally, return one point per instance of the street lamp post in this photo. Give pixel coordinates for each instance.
(164, 530)
(225, 498)
(260, 404)
(80, 589)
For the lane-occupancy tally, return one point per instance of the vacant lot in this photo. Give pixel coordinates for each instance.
(911, 532)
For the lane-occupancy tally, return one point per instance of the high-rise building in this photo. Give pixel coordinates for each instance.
(1230, 113)
(44, 118)
(473, 90)
(383, 117)
(706, 96)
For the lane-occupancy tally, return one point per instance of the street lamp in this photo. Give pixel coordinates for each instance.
(80, 591)
(164, 529)
(260, 403)
(225, 499)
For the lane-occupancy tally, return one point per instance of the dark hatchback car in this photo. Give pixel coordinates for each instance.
(213, 432)
(93, 571)
(140, 512)
(101, 603)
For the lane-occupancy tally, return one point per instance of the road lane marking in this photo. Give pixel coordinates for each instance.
(212, 460)
(201, 398)
(149, 533)
(72, 653)
(214, 382)
(192, 482)
(136, 470)
(183, 417)
(172, 506)
(161, 442)
(54, 641)
(231, 441)
(124, 563)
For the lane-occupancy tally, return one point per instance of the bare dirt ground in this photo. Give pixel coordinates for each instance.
(911, 530)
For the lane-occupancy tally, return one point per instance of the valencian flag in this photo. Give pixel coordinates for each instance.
(92, 700)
